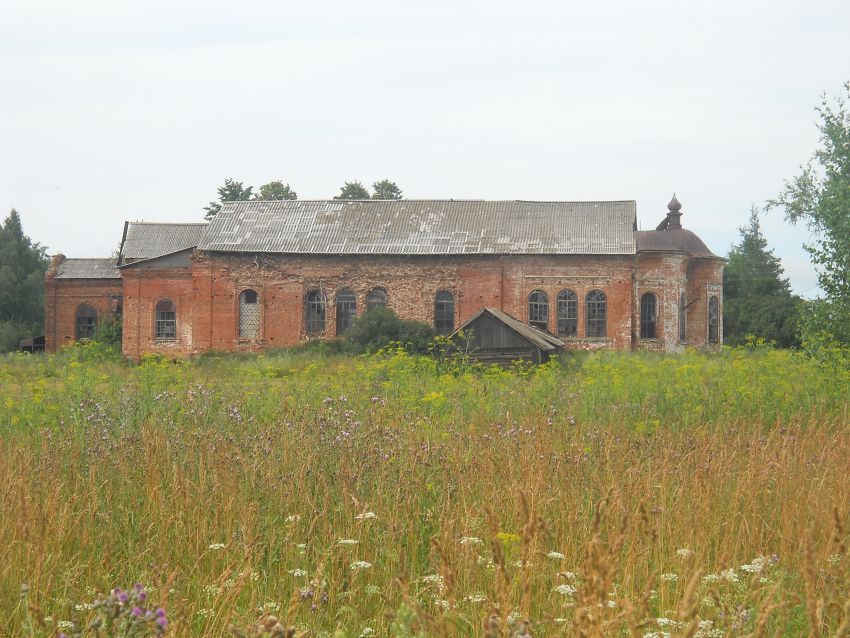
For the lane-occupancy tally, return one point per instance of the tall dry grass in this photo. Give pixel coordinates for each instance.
(608, 495)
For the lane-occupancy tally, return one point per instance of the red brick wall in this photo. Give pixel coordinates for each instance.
(705, 278)
(143, 289)
(62, 298)
(411, 284)
(206, 295)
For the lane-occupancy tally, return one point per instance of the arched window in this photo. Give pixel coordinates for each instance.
(713, 320)
(567, 313)
(86, 322)
(377, 298)
(538, 310)
(346, 310)
(596, 315)
(682, 306)
(648, 316)
(315, 306)
(444, 313)
(165, 321)
(249, 315)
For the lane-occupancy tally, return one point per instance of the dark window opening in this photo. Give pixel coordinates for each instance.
(713, 320)
(567, 313)
(315, 307)
(377, 298)
(596, 320)
(346, 310)
(249, 315)
(444, 313)
(86, 322)
(538, 310)
(682, 305)
(648, 316)
(165, 321)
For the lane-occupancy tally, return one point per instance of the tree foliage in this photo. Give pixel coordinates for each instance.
(22, 267)
(231, 191)
(380, 327)
(820, 198)
(352, 190)
(757, 299)
(276, 190)
(385, 189)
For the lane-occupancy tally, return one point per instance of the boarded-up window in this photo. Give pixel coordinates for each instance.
(315, 303)
(86, 324)
(596, 315)
(648, 316)
(249, 315)
(682, 305)
(567, 313)
(346, 310)
(538, 310)
(165, 321)
(444, 313)
(713, 320)
(377, 298)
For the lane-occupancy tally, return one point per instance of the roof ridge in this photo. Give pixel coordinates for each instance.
(438, 199)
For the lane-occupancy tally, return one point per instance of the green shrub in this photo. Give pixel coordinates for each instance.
(380, 327)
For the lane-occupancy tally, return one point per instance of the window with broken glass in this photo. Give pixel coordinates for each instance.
(538, 310)
(648, 316)
(567, 313)
(315, 309)
(713, 320)
(165, 321)
(444, 313)
(249, 315)
(346, 310)
(596, 315)
(377, 298)
(86, 324)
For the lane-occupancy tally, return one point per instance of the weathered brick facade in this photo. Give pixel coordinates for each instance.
(204, 287)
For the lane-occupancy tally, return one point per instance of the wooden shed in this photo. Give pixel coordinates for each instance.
(494, 336)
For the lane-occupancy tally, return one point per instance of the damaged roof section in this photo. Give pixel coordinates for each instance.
(423, 227)
(146, 240)
(99, 268)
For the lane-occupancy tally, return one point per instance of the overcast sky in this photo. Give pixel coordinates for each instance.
(111, 110)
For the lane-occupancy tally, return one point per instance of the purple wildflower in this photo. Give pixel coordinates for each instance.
(137, 611)
(160, 612)
(123, 597)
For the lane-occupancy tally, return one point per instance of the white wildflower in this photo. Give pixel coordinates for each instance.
(476, 598)
(366, 515)
(298, 573)
(565, 589)
(64, 624)
(216, 546)
(669, 578)
(293, 518)
(367, 631)
(685, 552)
(756, 566)
(834, 559)
(471, 540)
(360, 564)
(372, 590)
(203, 613)
(347, 541)
(555, 555)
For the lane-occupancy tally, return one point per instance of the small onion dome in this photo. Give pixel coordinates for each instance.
(675, 205)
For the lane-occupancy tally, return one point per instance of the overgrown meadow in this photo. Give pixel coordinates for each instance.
(398, 495)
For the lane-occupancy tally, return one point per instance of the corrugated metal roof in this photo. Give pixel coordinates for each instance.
(542, 340)
(146, 239)
(423, 227)
(100, 268)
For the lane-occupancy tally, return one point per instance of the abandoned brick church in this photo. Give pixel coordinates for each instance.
(263, 274)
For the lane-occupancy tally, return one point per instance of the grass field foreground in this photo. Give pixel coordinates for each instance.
(600, 495)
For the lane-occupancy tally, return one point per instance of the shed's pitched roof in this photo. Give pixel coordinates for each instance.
(423, 227)
(99, 268)
(542, 340)
(144, 240)
(680, 241)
